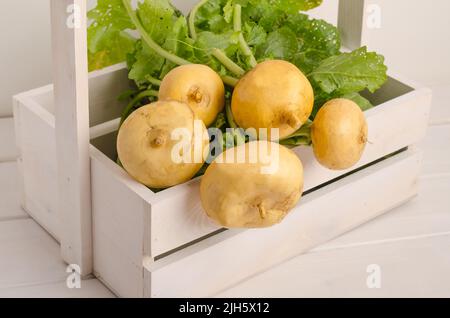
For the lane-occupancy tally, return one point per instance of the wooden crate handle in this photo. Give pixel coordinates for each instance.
(352, 22)
(70, 76)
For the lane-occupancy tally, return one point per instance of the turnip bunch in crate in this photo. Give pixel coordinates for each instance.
(249, 70)
(292, 139)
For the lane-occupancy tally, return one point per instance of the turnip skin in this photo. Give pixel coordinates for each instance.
(144, 144)
(197, 85)
(339, 134)
(239, 195)
(275, 94)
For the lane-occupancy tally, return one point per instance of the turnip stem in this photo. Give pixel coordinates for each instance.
(153, 80)
(229, 115)
(237, 21)
(148, 40)
(192, 16)
(227, 62)
(229, 80)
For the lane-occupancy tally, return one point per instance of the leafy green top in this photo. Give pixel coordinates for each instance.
(230, 36)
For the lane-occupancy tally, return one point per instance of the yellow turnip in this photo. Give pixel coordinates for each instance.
(275, 94)
(339, 134)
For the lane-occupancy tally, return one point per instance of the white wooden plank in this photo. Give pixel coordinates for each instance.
(118, 223)
(427, 214)
(213, 261)
(410, 268)
(351, 18)
(28, 255)
(436, 148)
(91, 288)
(70, 75)
(8, 150)
(9, 192)
(37, 163)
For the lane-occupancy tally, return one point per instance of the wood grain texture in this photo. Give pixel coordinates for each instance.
(70, 75)
(118, 223)
(91, 288)
(426, 214)
(29, 255)
(9, 192)
(37, 163)
(410, 268)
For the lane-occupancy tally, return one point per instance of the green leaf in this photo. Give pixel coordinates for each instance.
(254, 34)
(146, 63)
(317, 38)
(157, 17)
(301, 137)
(350, 72)
(280, 44)
(108, 41)
(206, 41)
(210, 17)
(362, 102)
(169, 29)
(228, 11)
(294, 6)
(178, 42)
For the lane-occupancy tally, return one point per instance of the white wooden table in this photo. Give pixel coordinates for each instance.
(411, 245)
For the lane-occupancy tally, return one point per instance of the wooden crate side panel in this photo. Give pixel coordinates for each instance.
(118, 225)
(37, 164)
(219, 262)
(104, 87)
(178, 217)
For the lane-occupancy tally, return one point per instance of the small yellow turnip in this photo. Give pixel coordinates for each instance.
(145, 144)
(197, 85)
(339, 134)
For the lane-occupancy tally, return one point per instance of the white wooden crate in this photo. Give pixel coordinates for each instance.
(147, 244)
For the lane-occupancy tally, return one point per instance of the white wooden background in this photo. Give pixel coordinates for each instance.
(411, 244)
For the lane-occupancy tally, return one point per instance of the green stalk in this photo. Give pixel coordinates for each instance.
(128, 110)
(230, 118)
(148, 40)
(229, 80)
(153, 80)
(227, 62)
(192, 16)
(237, 21)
